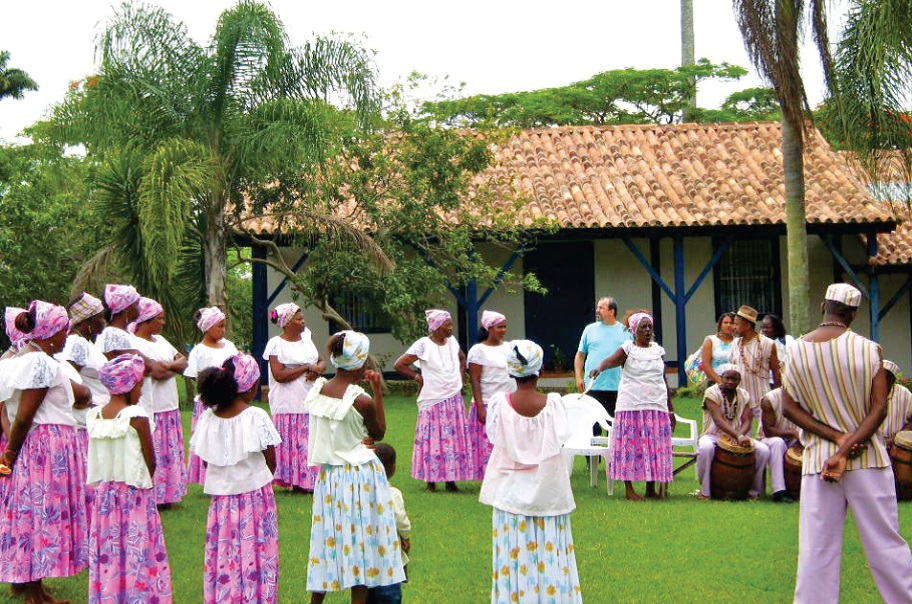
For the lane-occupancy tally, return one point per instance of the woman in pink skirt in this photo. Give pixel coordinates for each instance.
(487, 362)
(211, 352)
(43, 513)
(443, 451)
(294, 364)
(121, 304)
(237, 442)
(644, 417)
(160, 399)
(127, 558)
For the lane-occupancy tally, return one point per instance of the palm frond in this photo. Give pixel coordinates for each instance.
(99, 269)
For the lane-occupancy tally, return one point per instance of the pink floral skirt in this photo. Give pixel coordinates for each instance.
(291, 454)
(43, 515)
(480, 443)
(242, 549)
(443, 451)
(641, 446)
(196, 467)
(127, 558)
(170, 471)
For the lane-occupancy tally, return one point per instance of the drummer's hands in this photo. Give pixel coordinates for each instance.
(834, 468)
(744, 440)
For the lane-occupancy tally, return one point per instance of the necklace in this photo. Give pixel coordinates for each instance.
(833, 324)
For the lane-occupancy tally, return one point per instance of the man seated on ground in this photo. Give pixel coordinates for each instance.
(727, 410)
(778, 433)
(899, 405)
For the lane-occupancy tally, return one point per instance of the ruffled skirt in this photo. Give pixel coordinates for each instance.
(242, 549)
(353, 537)
(291, 454)
(170, 471)
(481, 446)
(196, 467)
(43, 518)
(443, 450)
(127, 558)
(641, 446)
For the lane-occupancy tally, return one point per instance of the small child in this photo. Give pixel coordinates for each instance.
(392, 594)
(122, 567)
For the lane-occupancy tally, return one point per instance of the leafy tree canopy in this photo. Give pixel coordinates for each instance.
(13, 82)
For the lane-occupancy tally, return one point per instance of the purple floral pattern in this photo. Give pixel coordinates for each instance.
(443, 451)
(196, 467)
(481, 446)
(641, 446)
(170, 472)
(291, 454)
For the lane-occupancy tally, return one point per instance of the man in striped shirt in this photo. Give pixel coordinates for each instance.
(755, 356)
(838, 377)
(899, 405)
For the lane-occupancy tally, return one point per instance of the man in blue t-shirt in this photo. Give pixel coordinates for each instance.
(599, 341)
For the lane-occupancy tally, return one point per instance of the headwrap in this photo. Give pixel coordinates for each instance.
(635, 319)
(209, 318)
(246, 371)
(355, 347)
(85, 307)
(122, 373)
(148, 309)
(49, 319)
(435, 318)
(9, 318)
(524, 359)
(120, 297)
(283, 313)
(490, 318)
(727, 367)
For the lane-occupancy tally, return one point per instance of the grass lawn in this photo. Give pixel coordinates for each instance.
(680, 550)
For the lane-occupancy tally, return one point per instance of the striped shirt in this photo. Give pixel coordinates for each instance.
(832, 381)
(774, 398)
(752, 359)
(731, 410)
(899, 411)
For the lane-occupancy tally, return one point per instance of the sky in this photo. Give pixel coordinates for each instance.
(492, 46)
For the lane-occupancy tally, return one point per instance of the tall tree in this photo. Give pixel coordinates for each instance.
(13, 82)
(687, 51)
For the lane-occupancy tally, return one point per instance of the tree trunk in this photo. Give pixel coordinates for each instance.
(687, 50)
(799, 320)
(215, 254)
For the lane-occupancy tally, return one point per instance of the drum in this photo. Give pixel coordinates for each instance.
(901, 456)
(732, 470)
(792, 467)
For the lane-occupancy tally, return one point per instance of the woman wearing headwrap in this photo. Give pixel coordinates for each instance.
(87, 321)
(17, 342)
(487, 362)
(353, 538)
(211, 352)
(527, 484)
(641, 439)
(160, 399)
(44, 457)
(121, 304)
(443, 450)
(294, 364)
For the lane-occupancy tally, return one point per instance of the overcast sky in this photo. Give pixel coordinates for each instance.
(493, 46)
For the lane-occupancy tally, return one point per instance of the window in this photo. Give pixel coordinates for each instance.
(748, 273)
(356, 312)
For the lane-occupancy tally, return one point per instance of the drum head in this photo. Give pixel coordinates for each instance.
(729, 444)
(904, 439)
(795, 454)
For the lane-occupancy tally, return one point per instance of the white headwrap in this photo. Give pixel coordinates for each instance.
(355, 347)
(524, 359)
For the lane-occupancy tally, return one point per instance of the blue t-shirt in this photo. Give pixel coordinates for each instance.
(600, 341)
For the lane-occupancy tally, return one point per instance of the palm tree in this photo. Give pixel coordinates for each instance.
(13, 82)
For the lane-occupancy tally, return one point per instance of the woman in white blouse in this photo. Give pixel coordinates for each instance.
(87, 320)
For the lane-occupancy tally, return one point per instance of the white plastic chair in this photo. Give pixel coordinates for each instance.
(582, 413)
(689, 442)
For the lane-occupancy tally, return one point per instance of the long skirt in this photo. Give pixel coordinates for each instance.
(641, 446)
(443, 451)
(291, 454)
(82, 441)
(170, 470)
(242, 549)
(353, 537)
(196, 467)
(534, 560)
(43, 516)
(127, 558)
(481, 446)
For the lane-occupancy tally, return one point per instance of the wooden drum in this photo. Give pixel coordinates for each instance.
(732, 470)
(792, 466)
(901, 456)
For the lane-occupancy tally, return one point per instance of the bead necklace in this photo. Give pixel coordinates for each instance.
(833, 324)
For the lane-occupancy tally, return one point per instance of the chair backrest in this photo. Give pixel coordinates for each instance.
(583, 412)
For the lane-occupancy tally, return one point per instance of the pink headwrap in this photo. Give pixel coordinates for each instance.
(435, 318)
(148, 309)
(490, 318)
(209, 318)
(122, 373)
(119, 297)
(85, 307)
(17, 338)
(283, 313)
(246, 371)
(635, 319)
(49, 319)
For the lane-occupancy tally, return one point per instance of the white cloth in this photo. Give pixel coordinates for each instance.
(403, 524)
(440, 370)
(115, 450)
(288, 397)
(526, 473)
(158, 396)
(203, 356)
(233, 447)
(336, 428)
(88, 356)
(115, 338)
(642, 386)
(493, 362)
(34, 370)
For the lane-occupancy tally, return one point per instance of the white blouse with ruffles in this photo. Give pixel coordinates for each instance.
(115, 450)
(440, 370)
(493, 362)
(87, 355)
(288, 397)
(37, 370)
(202, 356)
(336, 428)
(642, 386)
(115, 338)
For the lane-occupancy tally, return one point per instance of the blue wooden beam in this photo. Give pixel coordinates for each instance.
(873, 288)
(471, 311)
(845, 265)
(284, 282)
(896, 298)
(645, 263)
(706, 269)
(500, 275)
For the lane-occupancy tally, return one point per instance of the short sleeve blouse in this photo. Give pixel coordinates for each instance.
(493, 362)
(34, 370)
(159, 396)
(203, 356)
(115, 338)
(642, 386)
(88, 356)
(440, 370)
(288, 397)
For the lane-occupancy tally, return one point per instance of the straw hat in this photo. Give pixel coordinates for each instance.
(748, 314)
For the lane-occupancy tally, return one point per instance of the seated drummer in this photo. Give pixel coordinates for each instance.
(899, 405)
(726, 410)
(778, 433)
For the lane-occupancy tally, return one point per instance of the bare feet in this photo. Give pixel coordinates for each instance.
(632, 496)
(431, 487)
(451, 487)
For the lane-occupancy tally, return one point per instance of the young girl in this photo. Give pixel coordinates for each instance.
(127, 557)
(211, 352)
(237, 442)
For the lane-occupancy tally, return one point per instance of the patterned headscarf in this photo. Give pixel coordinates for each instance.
(246, 371)
(85, 307)
(355, 347)
(120, 297)
(490, 318)
(148, 309)
(17, 338)
(435, 318)
(524, 359)
(283, 313)
(209, 318)
(635, 319)
(122, 373)
(49, 319)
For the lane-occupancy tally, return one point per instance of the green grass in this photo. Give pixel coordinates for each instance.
(680, 550)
